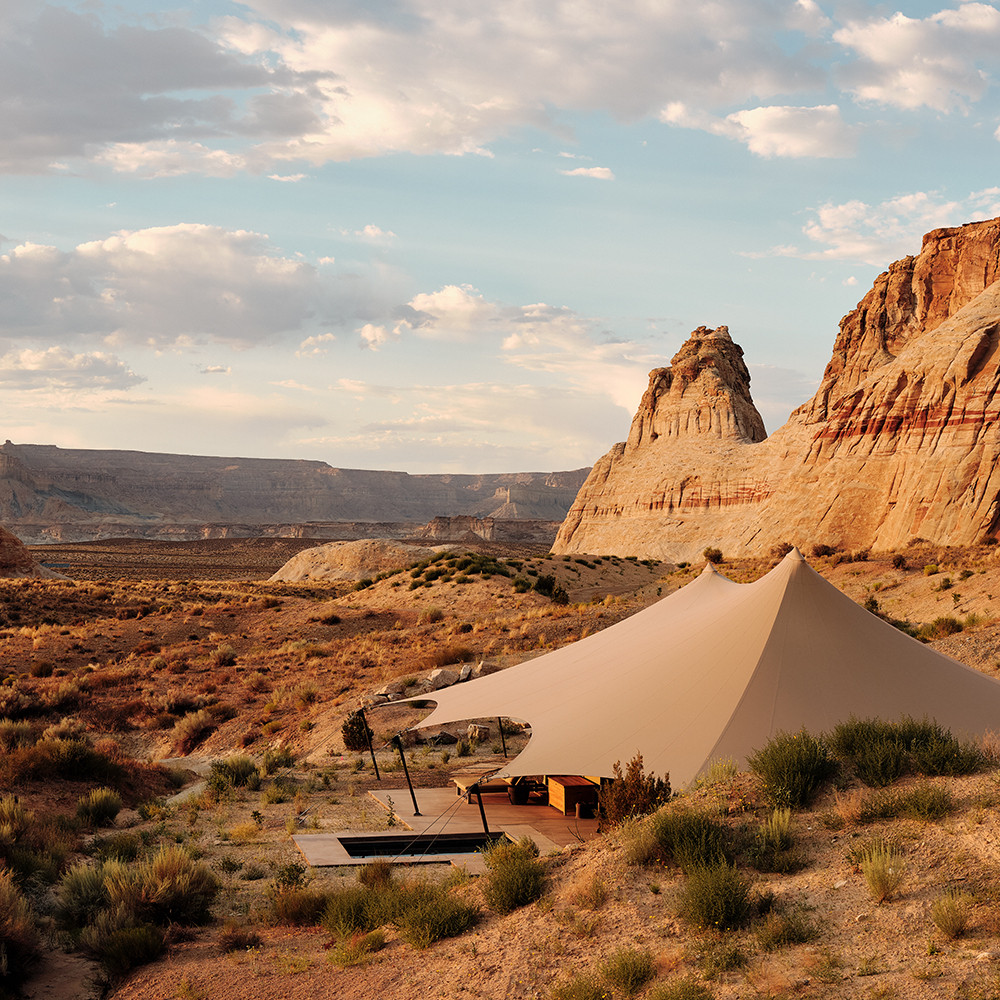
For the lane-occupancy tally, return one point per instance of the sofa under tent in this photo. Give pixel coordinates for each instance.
(713, 671)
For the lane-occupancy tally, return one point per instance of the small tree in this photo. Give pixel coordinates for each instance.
(713, 555)
(356, 732)
(633, 793)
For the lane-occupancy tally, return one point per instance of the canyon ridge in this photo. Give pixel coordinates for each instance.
(901, 440)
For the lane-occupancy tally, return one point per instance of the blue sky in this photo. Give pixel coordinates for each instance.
(444, 235)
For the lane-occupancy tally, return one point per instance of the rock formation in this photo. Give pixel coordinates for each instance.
(351, 560)
(902, 438)
(16, 561)
(77, 494)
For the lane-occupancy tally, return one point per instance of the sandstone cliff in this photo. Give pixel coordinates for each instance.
(16, 561)
(902, 438)
(75, 493)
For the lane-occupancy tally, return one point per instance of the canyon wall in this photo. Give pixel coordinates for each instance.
(901, 440)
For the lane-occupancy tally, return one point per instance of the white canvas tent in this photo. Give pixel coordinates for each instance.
(713, 671)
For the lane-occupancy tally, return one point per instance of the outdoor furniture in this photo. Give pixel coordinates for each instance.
(566, 791)
(464, 782)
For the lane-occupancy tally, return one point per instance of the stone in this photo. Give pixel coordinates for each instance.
(16, 561)
(466, 672)
(483, 668)
(477, 733)
(440, 678)
(902, 439)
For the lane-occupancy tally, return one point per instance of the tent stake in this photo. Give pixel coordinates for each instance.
(409, 784)
(502, 739)
(368, 736)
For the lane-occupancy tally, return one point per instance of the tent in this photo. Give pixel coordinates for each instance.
(713, 671)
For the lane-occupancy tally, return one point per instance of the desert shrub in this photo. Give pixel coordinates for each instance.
(431, 914)
(791, 767)
(690, 839)
(940, 628)
(67, 728)
(591, 893)
(120, 943)
(299, 907)
(236, 937)
(713, 555)
(876, 749)
(687, 988)
(237, 771)
(223, 656)
(882, 866)
(357, 949)
(275, 758)
(191, 730)
(514, 875)
(19, 939)
(899, 561)
(122, 846)
(81, 893)
(169, 888)
(431, 616)
(579, 986)
(925, 802)
(931, 569)
(350, 910)
(716, 896)
(781, 550)
(950, 914)
(770, 850)
(722, 956)
(16, 733)
(99, 807)
(356, 732)
(821, 550)
(377, 874)
(628, 970)
(941, 753)
(632, 793)
(778, 930)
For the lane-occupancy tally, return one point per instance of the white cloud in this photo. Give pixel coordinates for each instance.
(56, 368)
(313, 347)
(937, 61)
(217, 370)
(774, 131)
(286, 178)
(370, 234)
(879, 234)
(176, 285)
(598, 173)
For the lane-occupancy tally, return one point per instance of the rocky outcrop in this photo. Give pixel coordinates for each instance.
(902, 438)
(352, 560)
(16, 561)
(141, 493)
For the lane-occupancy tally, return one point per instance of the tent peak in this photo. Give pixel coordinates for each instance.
(709, 569)
(793, 555)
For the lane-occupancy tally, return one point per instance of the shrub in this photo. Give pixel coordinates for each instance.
(778, 930)
(236, 937)
(690, 839)
(931, 569)
(771, 849)
(716, 896)
(223, 656)
(431, 914)
(925, 802)
(237, 771)
(191, 730)
(899, 561)
(350, 910)
(687, 988)
(940, 628)
(356, 732)
(119, 943)
(170, 888)
(628, 970)
(581, 986)
(821, 550)
(950, 914)
(81, 894)
(514, 876)
(121, 846)
(882, 867)
(19, 940)
(357, 949)
(713, 555)
(791, 767)
(99, 807)
(633, 793)
(299, 907)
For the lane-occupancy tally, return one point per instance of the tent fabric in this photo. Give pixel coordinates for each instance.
(713, 671)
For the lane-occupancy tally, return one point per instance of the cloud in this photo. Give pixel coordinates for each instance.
(818, 132)
(56, 368)
(217, 370)
(878, 234)
(937, 61)
(175, 285)
(314, 347)
(370, 233)
(286, 178)
(71, 86)
(598, 173)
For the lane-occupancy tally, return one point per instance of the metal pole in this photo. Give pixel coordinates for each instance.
(409, 784)
(368, 736)
(482, 811)
(502, 739)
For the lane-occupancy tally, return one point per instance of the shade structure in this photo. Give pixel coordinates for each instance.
(713, 671)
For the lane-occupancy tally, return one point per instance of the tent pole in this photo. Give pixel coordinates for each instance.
(482, 812)
(502, 738)
(368, 736)
(409, 784)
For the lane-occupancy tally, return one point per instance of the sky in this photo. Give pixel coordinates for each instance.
(451, 235)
